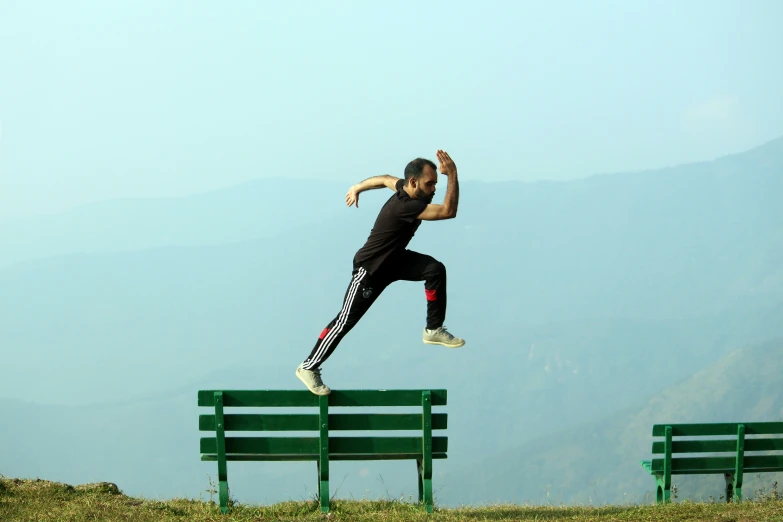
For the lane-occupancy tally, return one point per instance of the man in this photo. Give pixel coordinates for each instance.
(384, 258)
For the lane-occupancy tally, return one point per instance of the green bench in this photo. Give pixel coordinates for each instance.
(728, 454)
(323, 446)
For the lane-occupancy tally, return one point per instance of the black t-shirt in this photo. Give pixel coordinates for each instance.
(394, 228)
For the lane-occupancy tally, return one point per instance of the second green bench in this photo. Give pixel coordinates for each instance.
(728, 454)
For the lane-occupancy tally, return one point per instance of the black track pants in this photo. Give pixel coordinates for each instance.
(364, 289)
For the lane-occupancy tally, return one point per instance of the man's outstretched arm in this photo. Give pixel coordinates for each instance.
(375, 182)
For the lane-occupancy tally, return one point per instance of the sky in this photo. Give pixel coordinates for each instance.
(105, 100)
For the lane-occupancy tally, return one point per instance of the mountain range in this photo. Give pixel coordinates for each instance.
(581, 302)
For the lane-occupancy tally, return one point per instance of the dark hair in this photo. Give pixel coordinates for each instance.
(416, 167)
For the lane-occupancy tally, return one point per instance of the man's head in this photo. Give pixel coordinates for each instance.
(421, 177)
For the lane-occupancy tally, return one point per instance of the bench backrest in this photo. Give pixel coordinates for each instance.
(727, 444)
(321, 419)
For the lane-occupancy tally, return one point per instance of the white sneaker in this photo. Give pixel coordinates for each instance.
(312, 379)
(443, 337)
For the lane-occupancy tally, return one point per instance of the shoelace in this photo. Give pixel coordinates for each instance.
(445, 332)
(317, 377)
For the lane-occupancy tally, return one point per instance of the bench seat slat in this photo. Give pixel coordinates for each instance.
(304, 398)
(718, 428)
(314, 457)
(718, 446)
(337, 422)
(309, 445)
(693, 465)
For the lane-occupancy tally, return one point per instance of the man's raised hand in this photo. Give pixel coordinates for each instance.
(447, 165)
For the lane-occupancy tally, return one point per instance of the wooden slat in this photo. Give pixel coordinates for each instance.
(718, 446)
(763, 462)
(309, 445)
(263, 422)
(303, 398)
(707, 464)
(337, 422)
(265, 445)
(314, 457)
(369, 445)
(696, 446)
(722, 428)
(380, 422)
(763, 445)
(720, 464)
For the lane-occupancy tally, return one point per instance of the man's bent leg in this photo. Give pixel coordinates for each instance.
(421, 267)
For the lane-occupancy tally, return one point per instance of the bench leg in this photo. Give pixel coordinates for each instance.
(323, 488)
(418, 476)
(425, 485)
(220, 439)
(662, 493)
(223, 494)
(733, 490)
(223, 486)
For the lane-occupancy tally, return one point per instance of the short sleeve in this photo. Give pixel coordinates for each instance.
(411, 208)
(399, 185)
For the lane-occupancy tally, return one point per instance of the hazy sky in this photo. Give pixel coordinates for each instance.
(146, 98)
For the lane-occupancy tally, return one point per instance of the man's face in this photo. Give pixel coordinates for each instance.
(425, 188)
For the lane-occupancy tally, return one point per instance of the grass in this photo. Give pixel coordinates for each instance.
(41, 500)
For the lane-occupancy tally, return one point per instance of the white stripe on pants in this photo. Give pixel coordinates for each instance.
(341, 319)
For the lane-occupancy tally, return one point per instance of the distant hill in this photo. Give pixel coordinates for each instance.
(655, 251)
(255, 209)
(598, 461)
(267, 207)
(578, 300)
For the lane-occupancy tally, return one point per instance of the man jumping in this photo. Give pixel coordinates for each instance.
(384, 258)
